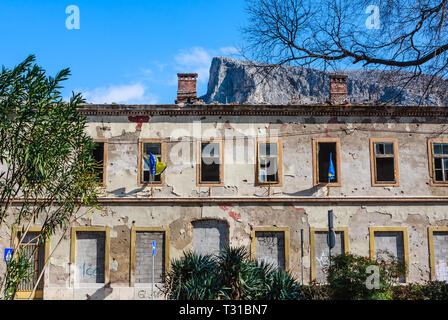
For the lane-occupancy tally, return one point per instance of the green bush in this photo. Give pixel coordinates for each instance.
(314, 291)
(430, 290)
(348, 277)
(230, 275)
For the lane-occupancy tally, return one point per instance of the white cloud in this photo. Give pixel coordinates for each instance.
(132, 93)
(197, 60)
(230, 51)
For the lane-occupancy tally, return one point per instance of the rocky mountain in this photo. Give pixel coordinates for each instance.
(239, 81)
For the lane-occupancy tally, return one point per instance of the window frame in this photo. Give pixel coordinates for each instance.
(286, 237)
(432, 263)
(134, 230)
(38, 294)
(403, 230)
(432, 181)
(105, 152)
(279, 143)
(315, 143)
(106, 230)
(141, 143)
(199, 163)
(313, 245)
(373, 157)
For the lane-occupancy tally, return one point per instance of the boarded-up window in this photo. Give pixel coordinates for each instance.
(270, 248)
(144, 259)
(440, 243)
(389, 243)
(209, 236)
(33, 248)
(321, 252)
(90, 256)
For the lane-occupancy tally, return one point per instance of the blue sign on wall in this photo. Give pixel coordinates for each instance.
(8, 254)
(153, 247)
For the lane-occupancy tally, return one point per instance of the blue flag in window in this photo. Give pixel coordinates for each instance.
(155, 166)
(331, 173)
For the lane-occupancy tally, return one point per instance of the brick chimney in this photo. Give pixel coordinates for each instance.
(186, 89)
(338, 89)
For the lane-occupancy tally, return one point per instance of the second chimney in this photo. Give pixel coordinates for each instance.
(338, 89)
(186, 90)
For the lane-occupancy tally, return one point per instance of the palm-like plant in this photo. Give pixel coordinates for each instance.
(229, 275)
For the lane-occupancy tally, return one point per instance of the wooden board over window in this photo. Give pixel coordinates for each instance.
(389, 240)
(89, 254)
(320, 251)
(438, 253)
(271, 245)
(322, 148)
(384, 162)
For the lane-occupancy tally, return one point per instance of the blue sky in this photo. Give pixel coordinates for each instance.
(125, 51)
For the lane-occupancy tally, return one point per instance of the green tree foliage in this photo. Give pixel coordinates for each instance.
(45, 154)
(229, 275)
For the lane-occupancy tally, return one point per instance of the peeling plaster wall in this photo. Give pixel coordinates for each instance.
(239, 154)
(297, 133)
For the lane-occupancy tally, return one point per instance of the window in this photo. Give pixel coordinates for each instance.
(36, 250)
(385, 241)
(438, 161)
(141, 254)
(438, 253)
(157, 148)
(210, 236)
(210, 169)
(269, 162)
(322, 149)
(90, 255)
(100, 156)
(384, 162)
(320, 251)
(271, 245)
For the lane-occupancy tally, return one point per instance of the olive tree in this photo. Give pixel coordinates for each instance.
(47, 170)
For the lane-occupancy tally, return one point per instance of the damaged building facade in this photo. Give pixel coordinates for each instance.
(255, 176)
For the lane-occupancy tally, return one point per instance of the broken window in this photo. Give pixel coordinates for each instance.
(268, 162)
(210, 163)
(98, 155)
(324, 150)
(384, 162)
(440, 162)
(156, 149)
